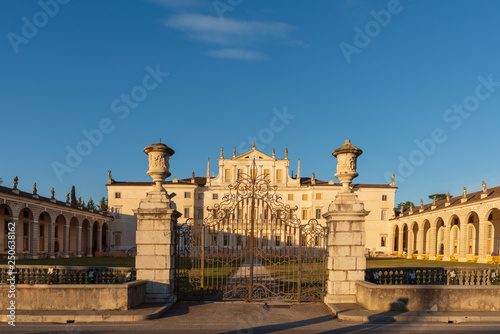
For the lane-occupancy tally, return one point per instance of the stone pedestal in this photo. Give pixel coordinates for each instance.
(346, 248)
(155, 237)
(346, 236)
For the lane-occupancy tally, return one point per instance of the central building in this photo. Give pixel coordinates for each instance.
(194, 195)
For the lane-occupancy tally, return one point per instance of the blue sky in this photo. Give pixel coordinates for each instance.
(414, 84)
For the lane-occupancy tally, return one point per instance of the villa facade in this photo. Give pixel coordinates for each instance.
(194, 195)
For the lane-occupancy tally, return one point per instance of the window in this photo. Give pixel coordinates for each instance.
(318, 213)
(214, 239)
(266, 174)
(382, 241)
(186, 212)
(187, 194)
(227, 174)
(215, 196)
(304, 197)
(254, 173)
(277, 240)
(118, 195)
(200, 213)
(240, 173)
(304, 214)
(383, 214)
(318, 196)
(290, 197)
(264, 240)
(288, 240)
(214, 213)
(239, 241)
(279, 175)
(226, 239)
(117, 212)
(200, 196)
(118, 240)
(384, 197)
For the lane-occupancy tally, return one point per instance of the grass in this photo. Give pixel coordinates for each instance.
(130, 262)
(394, 263)
(80, 261)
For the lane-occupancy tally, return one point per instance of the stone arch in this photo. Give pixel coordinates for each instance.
(73, 236)
(440, 242)
(58, 241)
(396, 238)
(426, 235)
(412, 238)
(44, 223)
(5, 218)
(454, 223)
(86, 237)
(23, 230)
(472, 233)
(95, 232)
(404, 227)
(493, 232)
(105, 237)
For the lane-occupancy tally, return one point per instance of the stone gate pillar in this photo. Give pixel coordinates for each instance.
(155, 237)
(346, 238)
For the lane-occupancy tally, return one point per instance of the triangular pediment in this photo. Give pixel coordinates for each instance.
(250, 155)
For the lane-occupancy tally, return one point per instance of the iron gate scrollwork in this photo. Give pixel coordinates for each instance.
(251, 246)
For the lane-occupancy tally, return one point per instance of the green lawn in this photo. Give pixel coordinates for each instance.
(81, 261)
(130, 262)
(391, 263)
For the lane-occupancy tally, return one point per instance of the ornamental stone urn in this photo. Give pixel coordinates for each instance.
(347, 156)
(159, 155)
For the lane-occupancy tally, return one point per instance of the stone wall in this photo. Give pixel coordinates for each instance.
(428, 297)
(45, 297)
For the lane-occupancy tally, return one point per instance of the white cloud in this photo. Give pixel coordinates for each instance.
(239, 54)
(213, 30)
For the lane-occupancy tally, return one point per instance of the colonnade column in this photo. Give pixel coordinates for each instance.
(482, 247)
(79, 240)
(446, 241)
(66, 239)
(432, 248)
(420, 243)
(33, 242)
(463, 243)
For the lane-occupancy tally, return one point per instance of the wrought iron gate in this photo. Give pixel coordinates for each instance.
(251, 246)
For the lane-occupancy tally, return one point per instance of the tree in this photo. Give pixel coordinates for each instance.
(103, 205)
(406, 205)
(73, 196)
(438, 196)
(90, 204)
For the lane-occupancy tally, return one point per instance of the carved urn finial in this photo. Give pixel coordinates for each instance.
(52, 193)
(159, 155)
(347, 156)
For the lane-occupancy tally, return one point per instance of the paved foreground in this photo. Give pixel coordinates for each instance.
(241, 317)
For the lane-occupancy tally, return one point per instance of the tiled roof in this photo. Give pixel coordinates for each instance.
(202, 180)
(454, 202)
(24, 194)
(306, 181)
